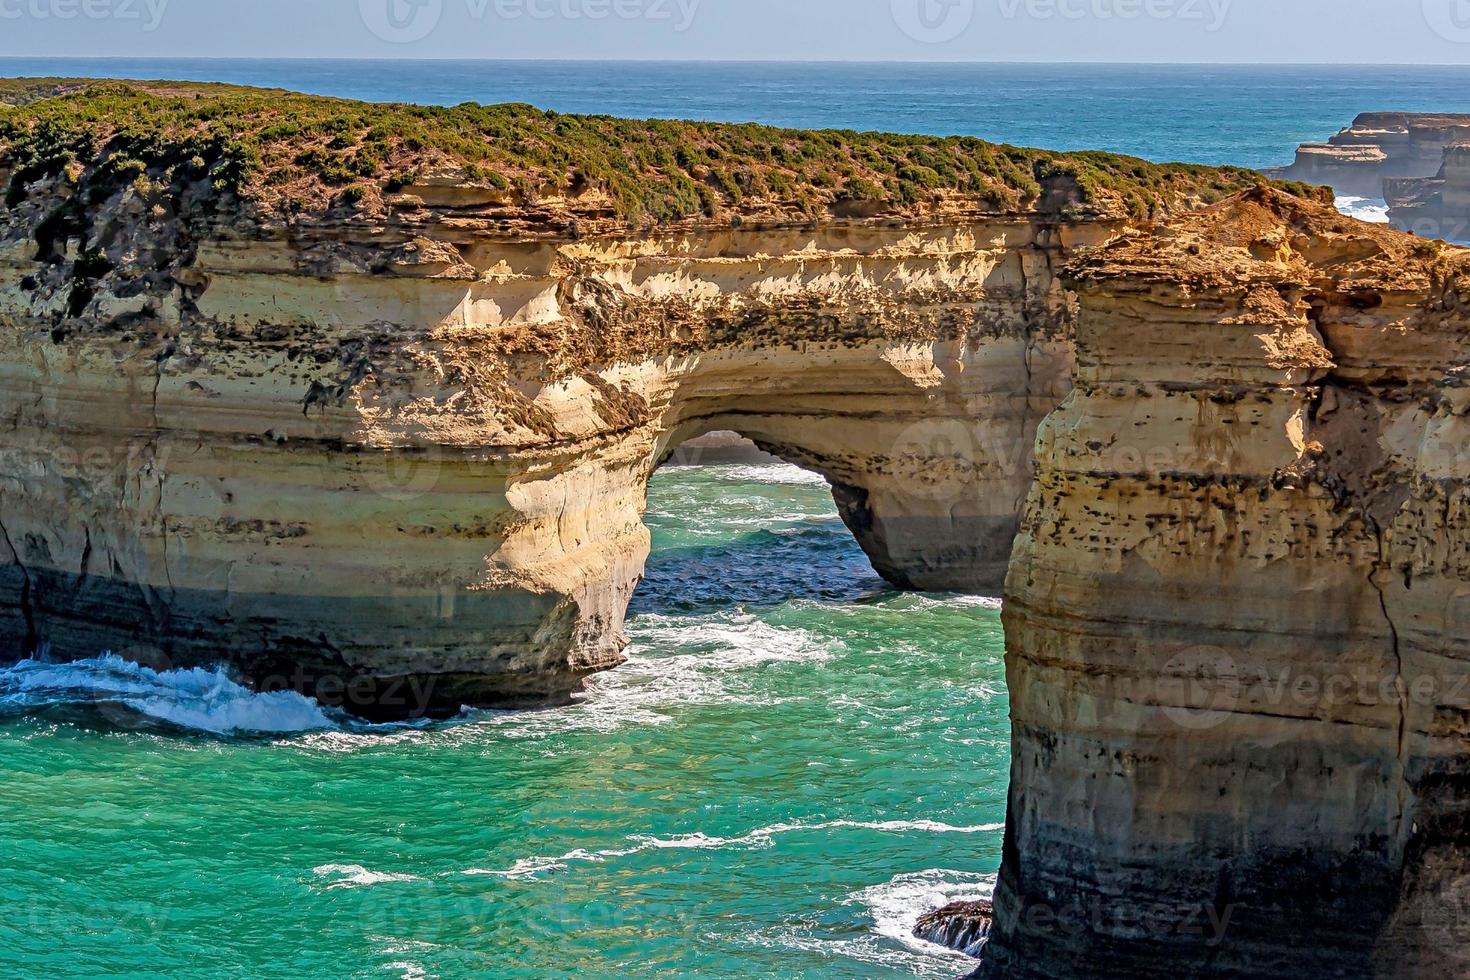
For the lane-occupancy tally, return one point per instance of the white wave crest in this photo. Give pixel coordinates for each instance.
(780, 474)
(356, 876)
(197, 700)
(1373, 210)
(531, 868)
(712, 652)
(897, 905)
(722, 643)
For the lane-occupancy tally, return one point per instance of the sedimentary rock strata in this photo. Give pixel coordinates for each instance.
(1377, 146)
(437, 469)
(1236, 618)
(395, 454)
(1438, 206)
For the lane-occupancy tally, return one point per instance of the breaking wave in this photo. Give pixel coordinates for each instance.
(1371, 209)
(896, 905)
(120, 693)
(780, 474)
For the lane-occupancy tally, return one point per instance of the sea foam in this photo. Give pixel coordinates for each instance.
(531, 868)
(121, 692)
(896, 905)
(1373, 210)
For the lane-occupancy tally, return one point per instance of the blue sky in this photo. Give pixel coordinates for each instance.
(1288, 31)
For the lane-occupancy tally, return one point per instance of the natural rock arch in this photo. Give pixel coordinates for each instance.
(368, 455)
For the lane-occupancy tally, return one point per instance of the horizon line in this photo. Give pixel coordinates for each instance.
(743, 61)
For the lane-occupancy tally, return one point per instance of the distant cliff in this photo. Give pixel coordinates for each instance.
(1377, 146)
(1418, 163)
(1438, 206)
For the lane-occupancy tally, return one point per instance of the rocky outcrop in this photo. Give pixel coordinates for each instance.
(389, 444)
(401, 463)
(1378, 146)
(1438, 206)
(1236, 619)
(334, 470)
(961, 926)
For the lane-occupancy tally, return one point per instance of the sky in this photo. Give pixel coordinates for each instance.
(1211, 31)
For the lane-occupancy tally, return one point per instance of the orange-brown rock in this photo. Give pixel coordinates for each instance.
(1238, 644)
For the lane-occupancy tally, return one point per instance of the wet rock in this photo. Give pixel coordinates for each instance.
(961, 926)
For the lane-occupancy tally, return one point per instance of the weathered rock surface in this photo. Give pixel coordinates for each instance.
(411, 457)
(961, 926)
(1236, 618)
(364, 399)
(1377, 146)
(1438, 206)
(397, 457)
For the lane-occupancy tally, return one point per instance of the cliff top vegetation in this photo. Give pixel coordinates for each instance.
(283, 153)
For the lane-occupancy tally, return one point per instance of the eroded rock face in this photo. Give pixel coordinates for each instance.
(400, 462)
(403, 465)
(1237, 621)
(961, 926)
(1377, 146)
(1438, 206)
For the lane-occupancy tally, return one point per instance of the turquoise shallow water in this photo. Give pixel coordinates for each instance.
(776, 785)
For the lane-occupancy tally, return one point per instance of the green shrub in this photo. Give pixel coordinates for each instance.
(274, 147)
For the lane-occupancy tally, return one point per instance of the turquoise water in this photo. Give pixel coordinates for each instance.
(778, 784)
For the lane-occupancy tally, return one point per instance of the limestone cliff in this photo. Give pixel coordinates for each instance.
(393, 450)
(1379, 146)
(1236, 618)
(1438, 206)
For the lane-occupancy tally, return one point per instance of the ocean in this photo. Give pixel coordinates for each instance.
(794, 765)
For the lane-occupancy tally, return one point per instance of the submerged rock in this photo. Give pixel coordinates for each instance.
(961, 926)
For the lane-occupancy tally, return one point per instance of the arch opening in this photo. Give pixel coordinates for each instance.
(734, 525)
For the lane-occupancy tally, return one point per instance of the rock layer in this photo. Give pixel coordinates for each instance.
(1438, 206)
(397, 457)
(413, 458)
(1378, 146)
(1236, 619)
(364, 399)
